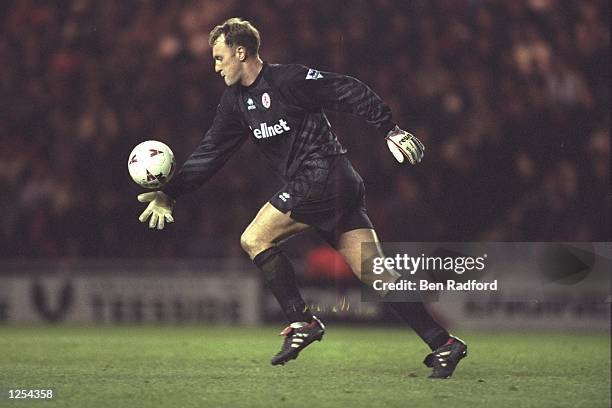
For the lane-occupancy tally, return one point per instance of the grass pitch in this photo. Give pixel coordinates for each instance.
(351, 367)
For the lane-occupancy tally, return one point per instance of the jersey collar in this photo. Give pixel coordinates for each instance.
(259, 76)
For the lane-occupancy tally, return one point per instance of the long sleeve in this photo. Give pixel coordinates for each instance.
(317, 89)
(224, 137)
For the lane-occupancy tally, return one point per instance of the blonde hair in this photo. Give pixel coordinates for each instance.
(237, 32)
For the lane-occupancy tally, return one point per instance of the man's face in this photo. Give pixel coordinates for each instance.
(227, 62)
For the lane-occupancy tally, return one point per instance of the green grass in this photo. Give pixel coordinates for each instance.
(352, 367)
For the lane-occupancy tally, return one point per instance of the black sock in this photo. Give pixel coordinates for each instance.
(280, 279)
(415, 314)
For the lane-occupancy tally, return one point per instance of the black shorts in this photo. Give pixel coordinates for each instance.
(327, 194)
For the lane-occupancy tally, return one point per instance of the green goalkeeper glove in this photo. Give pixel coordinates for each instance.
(405, 145)
(159, 209)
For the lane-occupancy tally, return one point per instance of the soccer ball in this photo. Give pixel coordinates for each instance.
(151, 164)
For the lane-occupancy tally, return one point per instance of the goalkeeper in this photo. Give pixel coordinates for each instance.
(281, 109)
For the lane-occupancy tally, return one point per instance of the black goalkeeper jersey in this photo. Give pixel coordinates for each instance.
(283, 113)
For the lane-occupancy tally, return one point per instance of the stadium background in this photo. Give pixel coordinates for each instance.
(511, 99)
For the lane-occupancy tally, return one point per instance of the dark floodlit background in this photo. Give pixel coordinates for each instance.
(510, 97)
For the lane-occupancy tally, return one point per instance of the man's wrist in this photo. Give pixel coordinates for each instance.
(387, 127)
(172, 196)
(168, 199)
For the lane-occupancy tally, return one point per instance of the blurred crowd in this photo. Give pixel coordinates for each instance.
(511, 98)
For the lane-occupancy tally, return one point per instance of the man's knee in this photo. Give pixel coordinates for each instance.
(247, 241)
(253, 243)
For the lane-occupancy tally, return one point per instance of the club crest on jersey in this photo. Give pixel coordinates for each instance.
(265, 100)
(313, 74)
(251, 104)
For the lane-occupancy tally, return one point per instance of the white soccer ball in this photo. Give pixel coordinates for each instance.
(151, 164)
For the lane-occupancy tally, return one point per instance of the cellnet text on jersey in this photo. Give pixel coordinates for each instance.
(266, 130)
